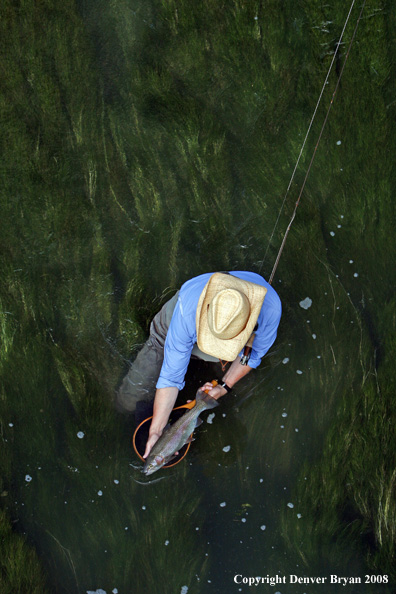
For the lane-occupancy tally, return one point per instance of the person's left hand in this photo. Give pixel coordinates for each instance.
(213, 391)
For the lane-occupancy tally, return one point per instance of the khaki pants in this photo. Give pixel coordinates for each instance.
(139, 383)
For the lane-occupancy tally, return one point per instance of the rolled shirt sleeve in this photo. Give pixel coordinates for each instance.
(265, 334)
(179, 343)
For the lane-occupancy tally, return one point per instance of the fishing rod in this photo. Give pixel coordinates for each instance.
(318, 140)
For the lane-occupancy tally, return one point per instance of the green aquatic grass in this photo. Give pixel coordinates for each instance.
(21, 570)
(143, 144)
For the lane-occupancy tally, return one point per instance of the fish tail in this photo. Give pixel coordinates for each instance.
(206, 399)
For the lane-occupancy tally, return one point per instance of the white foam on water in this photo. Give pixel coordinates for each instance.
(210, 418)
(306, 303)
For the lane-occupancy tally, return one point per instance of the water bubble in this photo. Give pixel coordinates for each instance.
(306, 303)
(356, 274)
(226, 448)
(243, 520)
(184, 590)
(223, 504)
(291, 505)
(338, 142)
(166, 543)
(314, 336)
(80, 434)
(284, 414)
(350, 261)
(143, 507)
(299, 516)
(332, 233)
(263, 527)
(210, 418)
(10, 424)
(100, 493)
(299, 371)
(116, 481)
(285, 360)
(28, 478)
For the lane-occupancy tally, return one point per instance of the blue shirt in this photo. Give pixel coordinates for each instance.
(182, 332)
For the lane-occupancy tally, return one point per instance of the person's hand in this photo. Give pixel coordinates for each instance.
(152, 440)
(213, 391)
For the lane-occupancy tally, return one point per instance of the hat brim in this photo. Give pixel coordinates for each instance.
(227, 350)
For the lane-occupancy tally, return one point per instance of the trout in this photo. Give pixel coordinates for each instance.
(177, 435)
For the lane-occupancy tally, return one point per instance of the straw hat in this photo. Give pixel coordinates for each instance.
(227, 312)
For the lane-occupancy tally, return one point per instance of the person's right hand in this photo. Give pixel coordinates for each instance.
(152, 439)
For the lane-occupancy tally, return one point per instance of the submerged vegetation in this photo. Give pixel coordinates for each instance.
(144, 143)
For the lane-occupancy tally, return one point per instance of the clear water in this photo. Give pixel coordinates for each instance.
(144, 143)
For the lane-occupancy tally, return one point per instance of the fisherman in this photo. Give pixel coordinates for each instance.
(212, 317)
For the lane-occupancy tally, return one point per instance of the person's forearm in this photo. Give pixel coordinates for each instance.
(164, 401)
(235, 372)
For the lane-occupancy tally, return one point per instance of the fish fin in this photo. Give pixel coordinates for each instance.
(188, 440)
(198, 423)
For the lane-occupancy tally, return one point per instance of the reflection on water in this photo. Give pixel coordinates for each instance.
(145, 143)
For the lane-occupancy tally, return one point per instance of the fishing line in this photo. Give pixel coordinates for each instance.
(318, 141)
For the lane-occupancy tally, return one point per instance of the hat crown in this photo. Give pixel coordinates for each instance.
(228, 313)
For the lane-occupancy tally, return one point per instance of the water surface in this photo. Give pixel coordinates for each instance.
(147, 142)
